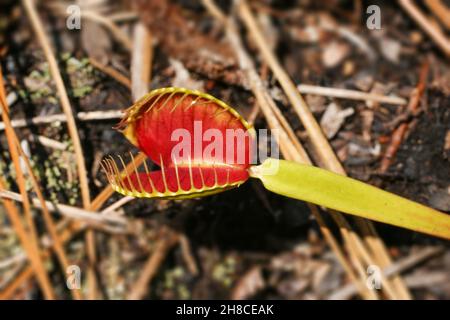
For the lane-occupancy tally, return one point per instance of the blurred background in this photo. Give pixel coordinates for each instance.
(374, 74)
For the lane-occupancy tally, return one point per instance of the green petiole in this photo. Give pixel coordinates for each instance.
(325, 188)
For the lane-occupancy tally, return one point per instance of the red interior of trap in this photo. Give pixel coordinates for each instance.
(154, 130)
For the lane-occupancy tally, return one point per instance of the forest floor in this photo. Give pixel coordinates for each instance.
(247, 242)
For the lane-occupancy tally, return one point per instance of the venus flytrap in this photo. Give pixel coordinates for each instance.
(200, 167)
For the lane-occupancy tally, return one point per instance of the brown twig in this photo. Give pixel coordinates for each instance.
(30, 248)
(7, 292)
(50, 143)
(431, 29)
(290, 147)
(400, 132)
(13, 139)
(349, 94)
(14, 153)
(69, 211)
(398, 267)
(249, 284)
(82, 116)
(73, 229)
(321, 145)
(187, 255)
(166, 241)
(141, 61)
(440, 10)
(65, 103)
(108, 23)
(65, 234)
(428, 280)
(392, 148)
(113, 73)
(168, 24)
(15, 156)
(111, 210)
(27, 273)
(123, 16)
(73, 132)
(29, 241)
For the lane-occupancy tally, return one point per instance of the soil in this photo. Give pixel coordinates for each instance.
(232, 232)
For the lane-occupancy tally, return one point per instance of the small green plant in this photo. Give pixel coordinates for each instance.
(162, 124)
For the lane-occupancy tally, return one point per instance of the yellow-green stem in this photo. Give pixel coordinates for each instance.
(324, 188)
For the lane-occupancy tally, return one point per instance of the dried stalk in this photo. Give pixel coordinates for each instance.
(74, 228)
(62, 93)
(187, 255)
(108, 23)
(38, 27)
(322, 147)
(82, 116)
(167, 240)
(398, 267)
(70, 211)
(29, 241)
(15, 147)
(349, 94)
(440, 10)
(289, 144)
(27, 273)
(113, 73)
(400, 132)
(30, 247)
(431, 29)
(141, 61)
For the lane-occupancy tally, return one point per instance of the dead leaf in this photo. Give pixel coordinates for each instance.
(333, 119)
(390, 49)
(249, 284)
(440, 200)
(183, 78)
(334, 53)
(316, 103)
(96, 41)
(319, 275)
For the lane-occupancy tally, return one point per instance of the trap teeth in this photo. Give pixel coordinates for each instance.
(172, 182)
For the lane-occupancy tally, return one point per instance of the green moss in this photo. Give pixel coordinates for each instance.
(224, 271)
(174, 281)
(40, 87)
